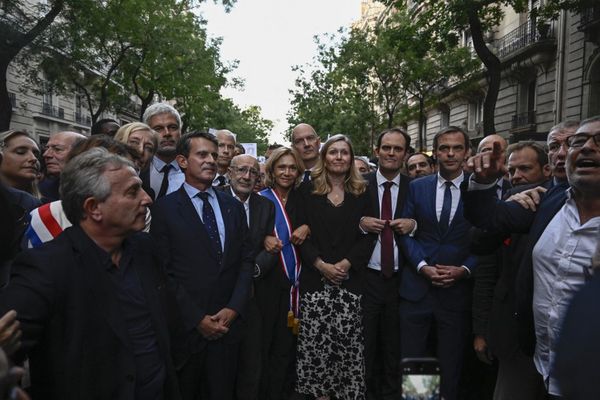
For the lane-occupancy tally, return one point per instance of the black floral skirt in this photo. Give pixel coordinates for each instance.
(330, 345)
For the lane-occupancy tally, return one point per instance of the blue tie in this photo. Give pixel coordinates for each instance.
(446, 207)
(306, 176)
(210, 223)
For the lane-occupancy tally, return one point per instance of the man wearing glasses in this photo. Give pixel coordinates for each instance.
(164, 175)
(563, 234)
(260, 215)
(307, 143)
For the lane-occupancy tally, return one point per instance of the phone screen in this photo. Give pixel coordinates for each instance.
(420, 387)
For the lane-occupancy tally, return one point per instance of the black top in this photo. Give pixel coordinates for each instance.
(335, 235)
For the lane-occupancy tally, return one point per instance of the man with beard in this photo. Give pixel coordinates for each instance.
(164, 175)
(419, 164)
(563, 234)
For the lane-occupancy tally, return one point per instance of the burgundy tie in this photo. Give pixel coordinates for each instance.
(387, 235)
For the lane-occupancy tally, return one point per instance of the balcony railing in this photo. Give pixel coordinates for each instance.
(53, 111)
(83, 119)
(589, 17)
(517, 39)
(523, 120)
(12, 97)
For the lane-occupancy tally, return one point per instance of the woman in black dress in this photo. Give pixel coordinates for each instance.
(330, 343)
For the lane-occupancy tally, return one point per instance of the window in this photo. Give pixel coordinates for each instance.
(475, 114)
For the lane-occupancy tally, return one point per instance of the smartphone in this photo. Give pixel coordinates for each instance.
(420, 379)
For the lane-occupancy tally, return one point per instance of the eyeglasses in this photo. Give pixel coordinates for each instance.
(580, 139)
(244, 170)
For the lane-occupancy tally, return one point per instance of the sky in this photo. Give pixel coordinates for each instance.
(268, 37)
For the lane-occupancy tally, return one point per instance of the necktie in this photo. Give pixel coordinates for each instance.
(306, 176)
(387, 235)
(210, 223)
(221, 181)
(446, 207)
(164, 185)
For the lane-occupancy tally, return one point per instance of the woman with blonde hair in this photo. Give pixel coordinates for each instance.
(330, 343)
(20, 161)
(142, 138)
(278, 286)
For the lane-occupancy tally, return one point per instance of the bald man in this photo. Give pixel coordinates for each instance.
(260, 214)
(307, 143)
(55, 157)
(226, 150)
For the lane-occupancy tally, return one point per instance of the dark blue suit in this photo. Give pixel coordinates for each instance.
(210, 285)
(421, 302)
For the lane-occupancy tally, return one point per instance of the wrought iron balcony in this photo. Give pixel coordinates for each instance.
(589, 17)
(525, 35)
(82, 119)
(53, 111)
(524, 120)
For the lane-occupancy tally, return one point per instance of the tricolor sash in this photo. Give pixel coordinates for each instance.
(290, 261)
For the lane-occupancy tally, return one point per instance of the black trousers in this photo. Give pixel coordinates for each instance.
(250, 355)
(381, 329)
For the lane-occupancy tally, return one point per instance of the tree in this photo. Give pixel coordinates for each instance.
(20, 25)
(479, 16)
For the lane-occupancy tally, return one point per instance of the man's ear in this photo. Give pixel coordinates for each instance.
(181, 160)
(92, 210)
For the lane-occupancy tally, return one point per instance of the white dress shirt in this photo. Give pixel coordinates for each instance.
(246, 204)
(439, 203)
(561, 261)
(176, 176)
(375, 261)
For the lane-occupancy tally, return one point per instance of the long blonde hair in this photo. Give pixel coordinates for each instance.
(353, 183)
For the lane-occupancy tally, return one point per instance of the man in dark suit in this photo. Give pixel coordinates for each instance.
(163, 175)
(434, 287)
(203, 235)
(494, 294)
(94, 304)
(388, 189)
(562, 237)
(260, 214)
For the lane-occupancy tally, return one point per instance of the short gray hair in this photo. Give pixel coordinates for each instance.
(83, 177)
(160, 108)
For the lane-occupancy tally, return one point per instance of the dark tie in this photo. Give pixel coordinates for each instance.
(210, 223)
(387, 235)
(446, 207)
(221, 181)
(164, 185)
(306, 176)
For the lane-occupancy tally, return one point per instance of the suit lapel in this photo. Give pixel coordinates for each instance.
(374, 193)
(191, 219)
(402, 193)
(226, 213)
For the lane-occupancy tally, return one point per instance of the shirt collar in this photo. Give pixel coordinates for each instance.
(382, 179)
(247, 202)
(158, 164)
(456, 181)
(193, 192)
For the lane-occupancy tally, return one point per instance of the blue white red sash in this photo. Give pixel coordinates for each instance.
(290, 261)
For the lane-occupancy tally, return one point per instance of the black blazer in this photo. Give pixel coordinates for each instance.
(483, 210)
(191, 260)
(145, 177)
(73, 330)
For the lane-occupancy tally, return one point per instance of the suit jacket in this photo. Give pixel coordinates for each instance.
(494, 294)
(486, 212)
(145, 177)
(431, 245)
(192, 261)
(74, 331)
(371, 179)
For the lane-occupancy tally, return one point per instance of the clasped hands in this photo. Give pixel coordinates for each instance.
(401, 226)
(213, 327)
(443, 275)
(274, 245)
(334, 273)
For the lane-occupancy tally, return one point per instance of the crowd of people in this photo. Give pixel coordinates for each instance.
(144, 263)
